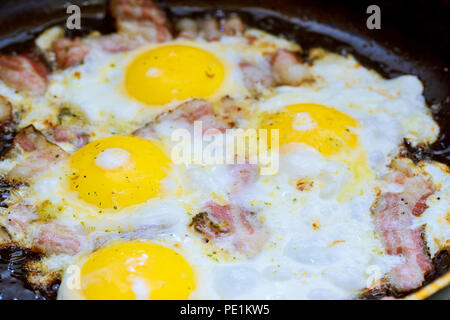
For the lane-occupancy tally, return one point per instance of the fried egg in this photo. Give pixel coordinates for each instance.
(107, 180)
(131, 270)
(335, 143)
(337, 137)
(132, 86)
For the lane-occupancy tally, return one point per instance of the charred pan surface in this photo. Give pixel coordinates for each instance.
(441, 265)
(5, 191)
(7, 134)
(14, 272)
(7, 126)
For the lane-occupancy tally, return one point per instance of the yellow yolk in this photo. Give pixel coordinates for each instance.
(136, 270)
(327, 130)
(173, 72)
(117, 172)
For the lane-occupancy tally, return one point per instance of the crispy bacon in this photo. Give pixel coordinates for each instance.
(116, 42)
(193, 110)
(69, 52)
(137, 10)
(52, 238)
(144, 31)
(209, 228)
(288, 68)
(211, 31)
(148, 131)
(23, 72)
(20, 215)
(187, 28)
(416, 190)
(38, 155)
(420, 205)
(231, 222)
(187, 112)
(72, 134)
(256, 78)
(140, 19)
(394, 214)
(198, 110)
(233, 26)
(231, 113)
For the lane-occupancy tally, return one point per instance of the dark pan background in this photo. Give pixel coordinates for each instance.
(413, 39)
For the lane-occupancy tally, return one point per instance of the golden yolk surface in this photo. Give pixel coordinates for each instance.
(136, 270)
(326, 129)
(329, 131)
(173, 72)
(117, 172)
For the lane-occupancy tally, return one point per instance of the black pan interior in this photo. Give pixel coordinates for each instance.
(413, 39)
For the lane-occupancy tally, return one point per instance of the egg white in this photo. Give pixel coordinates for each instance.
(319, 246)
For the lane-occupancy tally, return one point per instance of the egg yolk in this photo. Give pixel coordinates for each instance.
(136, 270)
(330, 132)
(326, 129)
(117, 172)
(173, 72)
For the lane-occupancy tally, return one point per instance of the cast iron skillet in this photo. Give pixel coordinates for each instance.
(413, 39)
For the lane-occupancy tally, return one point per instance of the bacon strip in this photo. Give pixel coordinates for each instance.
(231, 113)
(137, 10)
(231, 222)
(211, 30)
(187, 28)
(148, 131)
(69, 52)
(52, 238)
(20, 215)
(198, 110)
(39, 154)
(140, 19)
(22, 72)
(394, 214)
(256, 78)
(233, 26)
(289, 69)
(72, 134)
(116, 42)
(187, 112)
(416, 190)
